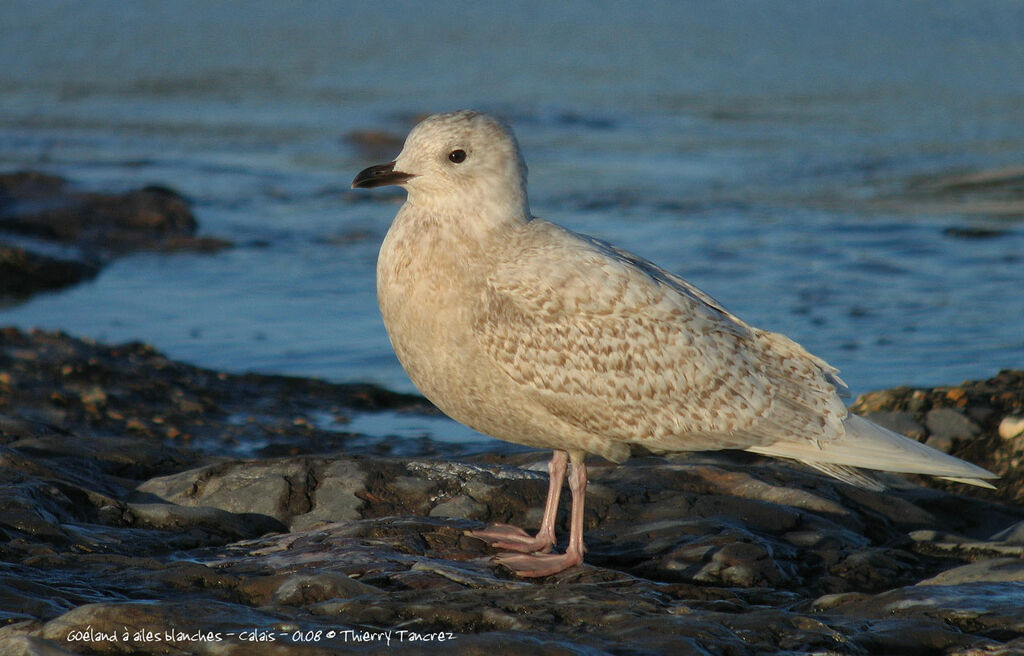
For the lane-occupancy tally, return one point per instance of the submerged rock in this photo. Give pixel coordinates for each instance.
(48, 207)
(39, 212)
(25, 269)
(135, 519)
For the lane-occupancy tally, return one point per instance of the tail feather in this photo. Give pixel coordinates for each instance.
(870, 446)
(850, 475)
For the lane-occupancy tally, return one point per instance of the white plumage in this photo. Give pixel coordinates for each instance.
(534, 334)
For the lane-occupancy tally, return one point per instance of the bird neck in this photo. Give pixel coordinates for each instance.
(475, 221)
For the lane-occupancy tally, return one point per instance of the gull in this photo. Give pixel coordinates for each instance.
(534, 334)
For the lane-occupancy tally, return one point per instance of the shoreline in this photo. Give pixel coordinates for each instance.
(122, 484)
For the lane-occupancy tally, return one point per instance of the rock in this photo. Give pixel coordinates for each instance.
(1011, 535)
(993, 570)
(172, 517)
(24, 271)
(1011, 427)
(25, 645)
(147, 628)
(47, 207)
(742, 564)
(120, 535)
(974, 232)
(979, 608)
(303, 589)
(945, 425)
(159, 416)
(42, 216)
(899, 422)
(880, 401)
(461, 506)
(989, 193)
(336, 496)
(275, 488)
(967, 419)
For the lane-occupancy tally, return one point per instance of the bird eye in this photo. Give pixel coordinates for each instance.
(458, 156)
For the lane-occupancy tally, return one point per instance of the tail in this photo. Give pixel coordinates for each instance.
(870, 446)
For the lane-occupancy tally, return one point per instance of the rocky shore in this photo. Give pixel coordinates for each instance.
(152, 507)
(53, 235)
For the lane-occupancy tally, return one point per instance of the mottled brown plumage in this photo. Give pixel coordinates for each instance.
(534, 334)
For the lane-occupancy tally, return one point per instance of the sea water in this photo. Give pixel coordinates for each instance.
(779, 156)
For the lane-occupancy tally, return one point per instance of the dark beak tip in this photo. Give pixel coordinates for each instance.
(379, 175)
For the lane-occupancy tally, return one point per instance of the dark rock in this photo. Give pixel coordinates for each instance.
(968, 424)
(986, 609)
(27, 645)
(135, 519)
(899, 422)
(881, 401)
(306, 588)
(974, 232)
(133, 627)
(1008, 180)
(47, 207)
(39, 211)
(25, 271)
(1011, 535)
(993, 570)
(172, 517)
(270, 489)
(945, 425)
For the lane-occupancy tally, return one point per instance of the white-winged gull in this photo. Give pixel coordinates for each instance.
(534, 334)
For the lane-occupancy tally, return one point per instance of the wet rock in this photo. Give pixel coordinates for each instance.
(47, 207)
(1011, 535)
(993, 570)
(985, 609)
(25, 645)
(122, 628)
(135, 519)
(305, 588)
(336, 495)
(1009, 180)
(270, 489)
(173, 517)
(57, 236)
(945, 425)
(461, 506)
(141, 415)
(24, 270)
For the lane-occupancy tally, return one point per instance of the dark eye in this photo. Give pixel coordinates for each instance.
(458, 156)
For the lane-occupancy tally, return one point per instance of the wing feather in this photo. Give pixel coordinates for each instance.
(618, 347)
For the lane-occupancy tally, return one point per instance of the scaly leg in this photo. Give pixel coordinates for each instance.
(513, 538)
(537, 564)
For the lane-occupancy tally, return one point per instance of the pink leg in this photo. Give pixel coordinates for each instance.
(531, 565)
(513, 538)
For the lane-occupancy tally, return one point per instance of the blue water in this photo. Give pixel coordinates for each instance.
(768, 152)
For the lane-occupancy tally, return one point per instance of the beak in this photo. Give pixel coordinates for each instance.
(380, 176)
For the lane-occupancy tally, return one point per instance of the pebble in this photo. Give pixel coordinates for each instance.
(946, 425)
(1011, 427)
